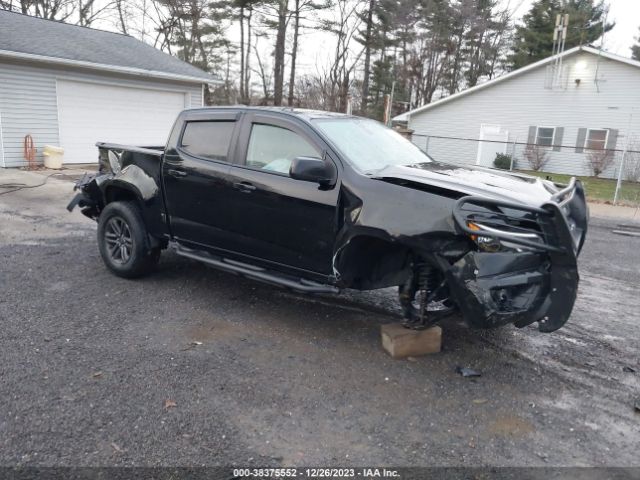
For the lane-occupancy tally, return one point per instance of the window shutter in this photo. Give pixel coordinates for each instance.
(582, 136)
(557, 140)
(532, 135)
(612, 140)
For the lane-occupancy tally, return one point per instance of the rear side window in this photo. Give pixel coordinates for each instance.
(208, 139)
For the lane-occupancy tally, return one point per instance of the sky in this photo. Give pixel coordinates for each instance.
(625, 14)
(316, 46)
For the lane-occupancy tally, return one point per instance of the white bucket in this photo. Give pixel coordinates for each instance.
(53, 157)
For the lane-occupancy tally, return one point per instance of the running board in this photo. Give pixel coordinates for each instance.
(256, 273)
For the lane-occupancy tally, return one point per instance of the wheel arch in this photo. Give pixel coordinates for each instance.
(119, 191)
(368, 261)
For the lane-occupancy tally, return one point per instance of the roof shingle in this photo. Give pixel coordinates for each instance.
(35, 36)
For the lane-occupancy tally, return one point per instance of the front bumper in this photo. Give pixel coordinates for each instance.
(536, 283)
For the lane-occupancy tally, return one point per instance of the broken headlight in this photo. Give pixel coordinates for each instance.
(490, 243)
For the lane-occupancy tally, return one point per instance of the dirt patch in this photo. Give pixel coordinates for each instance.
(511, 425)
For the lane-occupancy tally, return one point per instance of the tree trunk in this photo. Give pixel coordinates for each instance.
(294, 53)
(278, 68)
(242, 62)
(367, 58)
(123, 25)
(247, 67)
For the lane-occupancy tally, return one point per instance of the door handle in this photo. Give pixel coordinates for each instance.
(176, 173)
(244, 187)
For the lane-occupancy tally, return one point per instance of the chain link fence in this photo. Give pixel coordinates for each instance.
(598, 169)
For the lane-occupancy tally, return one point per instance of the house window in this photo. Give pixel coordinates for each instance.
(596, 139)
(544, 136)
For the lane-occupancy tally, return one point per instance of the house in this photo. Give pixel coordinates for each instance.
(566, 112)
(72, 86)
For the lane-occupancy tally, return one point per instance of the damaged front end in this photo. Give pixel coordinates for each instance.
(524, 268)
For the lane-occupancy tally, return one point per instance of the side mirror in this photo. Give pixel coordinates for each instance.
(316, 170)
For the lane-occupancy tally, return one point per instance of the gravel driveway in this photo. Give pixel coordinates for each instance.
(192, 366)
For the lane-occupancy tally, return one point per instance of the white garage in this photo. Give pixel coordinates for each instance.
(73, 86)
(91, 112)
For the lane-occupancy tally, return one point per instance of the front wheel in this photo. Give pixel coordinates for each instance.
(123, 241)
(424, 297)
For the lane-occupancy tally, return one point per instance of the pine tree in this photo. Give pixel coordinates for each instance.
(534, 38)
(635, 50)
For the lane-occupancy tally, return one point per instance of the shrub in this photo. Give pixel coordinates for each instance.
(599, 160)
(502, 161)
(536, 156)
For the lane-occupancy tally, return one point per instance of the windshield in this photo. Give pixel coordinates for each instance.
(368, 145)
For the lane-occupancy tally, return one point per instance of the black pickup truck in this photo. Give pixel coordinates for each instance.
(317, 202)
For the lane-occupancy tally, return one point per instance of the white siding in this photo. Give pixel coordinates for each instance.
(28, 103)
(520, 102)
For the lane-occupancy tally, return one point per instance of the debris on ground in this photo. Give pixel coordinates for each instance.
(637, 405)
(468, 372)
(626, 233)
(628, 369)
(169, 404)
(96, 374)
(116, 447)
(192, 345)
(479, 401)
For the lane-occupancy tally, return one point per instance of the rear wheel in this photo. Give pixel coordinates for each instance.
(123, 241)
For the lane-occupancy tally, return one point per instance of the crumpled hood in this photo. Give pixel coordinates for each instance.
(470, 180)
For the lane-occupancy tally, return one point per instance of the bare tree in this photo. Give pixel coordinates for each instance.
(266, 77)
(283, 15)
(245, 16)
(536, 156)
(194, 27)
(599, 160)
(91, 10)
(61, 10)
(344, 26)
(294, 52)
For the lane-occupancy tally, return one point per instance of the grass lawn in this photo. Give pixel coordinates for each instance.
(599, 189)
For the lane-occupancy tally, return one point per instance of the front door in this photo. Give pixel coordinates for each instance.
(195, 176)
(284, 221)
(493, 140)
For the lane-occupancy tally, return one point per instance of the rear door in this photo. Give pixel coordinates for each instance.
(284, 221)
(195, 174)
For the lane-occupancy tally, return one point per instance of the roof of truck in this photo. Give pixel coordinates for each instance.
(305, 113)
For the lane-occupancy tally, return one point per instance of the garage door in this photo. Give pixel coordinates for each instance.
(91, 112)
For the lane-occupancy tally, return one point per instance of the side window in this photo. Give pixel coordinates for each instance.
(208, 139)
(273, 148)
(544, 136)
(596, 139)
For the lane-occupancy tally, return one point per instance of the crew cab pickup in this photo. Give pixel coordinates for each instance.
(318, 202)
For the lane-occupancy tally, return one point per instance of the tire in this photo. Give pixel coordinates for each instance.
(123, 241)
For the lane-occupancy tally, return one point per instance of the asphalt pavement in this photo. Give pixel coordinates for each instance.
(195, 367)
